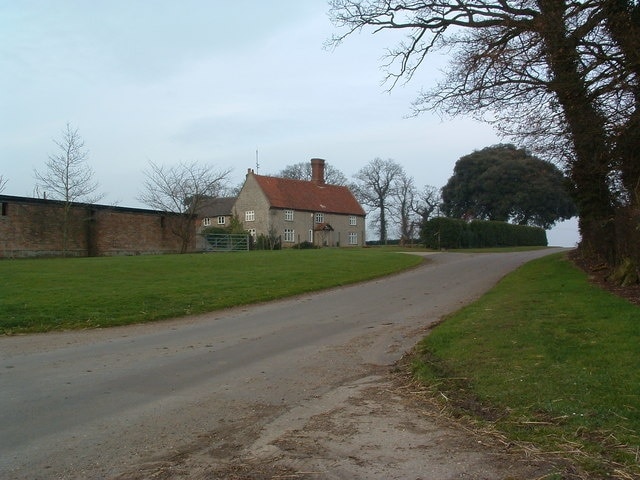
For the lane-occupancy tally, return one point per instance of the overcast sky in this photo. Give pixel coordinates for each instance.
(212, 82)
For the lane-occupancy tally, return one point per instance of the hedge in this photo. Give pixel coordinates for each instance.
(443, 232)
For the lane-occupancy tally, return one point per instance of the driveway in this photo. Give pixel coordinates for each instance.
(300, 388)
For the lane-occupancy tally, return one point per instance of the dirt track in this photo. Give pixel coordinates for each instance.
(373, 428)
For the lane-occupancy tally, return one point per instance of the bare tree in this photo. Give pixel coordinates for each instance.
(561, 76)
(3, 183)
(404, 192)
(302, 171)
(182, 189)
(374, 187)
(68, 177)
(427, 202)
(412, 207)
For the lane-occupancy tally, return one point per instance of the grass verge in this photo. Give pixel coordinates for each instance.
(546, 359)
(41, 295)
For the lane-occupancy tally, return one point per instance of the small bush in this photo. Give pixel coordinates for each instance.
(306, 245)
(214, 231)
(264, 242)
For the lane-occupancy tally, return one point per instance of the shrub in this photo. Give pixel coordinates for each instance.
(305, 245)
(444, 232)
(264, 242)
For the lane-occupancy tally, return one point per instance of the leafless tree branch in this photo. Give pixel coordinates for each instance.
(559, 76)
(68, 176)
(182, 189)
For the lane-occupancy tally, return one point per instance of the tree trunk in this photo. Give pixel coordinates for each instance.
(623, 24)
(383, 224)
(590, 169)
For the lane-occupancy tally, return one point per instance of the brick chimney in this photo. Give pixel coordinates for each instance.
(317, 171)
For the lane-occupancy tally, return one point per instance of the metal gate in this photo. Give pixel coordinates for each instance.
(220, 242)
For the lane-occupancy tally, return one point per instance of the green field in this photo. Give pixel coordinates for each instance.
(546, 359)
(40, 295)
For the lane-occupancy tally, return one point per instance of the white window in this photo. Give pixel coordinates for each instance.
(252, 232)
(206, 222)
(319, 217)
(222, 220)
(249, 216)
(288, 215)
(353, 220)
(353, 238)
(289, 235)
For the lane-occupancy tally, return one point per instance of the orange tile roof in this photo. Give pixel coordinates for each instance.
(309, 196)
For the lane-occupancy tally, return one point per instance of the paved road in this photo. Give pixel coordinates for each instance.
(98, 403)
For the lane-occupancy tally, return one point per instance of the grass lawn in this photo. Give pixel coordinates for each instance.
(40, 295)
(548, 359)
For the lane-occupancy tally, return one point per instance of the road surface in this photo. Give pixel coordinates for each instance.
(226, 393)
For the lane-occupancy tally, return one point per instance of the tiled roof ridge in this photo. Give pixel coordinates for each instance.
(306, 182)
(292, 179)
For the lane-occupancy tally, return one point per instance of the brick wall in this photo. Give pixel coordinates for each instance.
(32, 227)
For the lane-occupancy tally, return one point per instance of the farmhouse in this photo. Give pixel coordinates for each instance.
(300, 211)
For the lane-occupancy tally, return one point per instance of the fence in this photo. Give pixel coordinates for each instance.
(221, 242)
